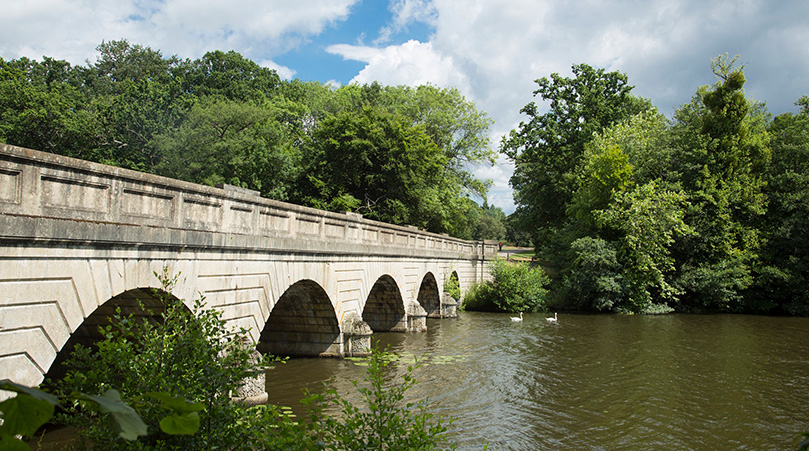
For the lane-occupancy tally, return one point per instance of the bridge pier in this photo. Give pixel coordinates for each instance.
(449, 306)
(416, 317)
(356, 336)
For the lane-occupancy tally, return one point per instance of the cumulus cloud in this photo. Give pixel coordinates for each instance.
(71, 29)
(406, 12)
(284, 72)
(412, 63)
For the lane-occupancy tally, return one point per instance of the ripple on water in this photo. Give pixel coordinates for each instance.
(593, 382)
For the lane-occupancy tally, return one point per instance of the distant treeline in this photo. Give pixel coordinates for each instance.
(705, 211)
(396, 154)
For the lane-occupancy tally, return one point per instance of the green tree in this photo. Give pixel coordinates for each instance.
(781, 281)
(606, 173)
(378, 164)
(491, 224)
(451, 123)
(515, 287)
(517, 230)
(548, 149)
(42, 107)
(120, 61)
(594, 279)
(230, 75)
(646, 221)
(722, 150)
(136, 94)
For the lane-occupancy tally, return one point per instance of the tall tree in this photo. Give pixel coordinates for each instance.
(378, 164)
(781, 281)
(230, 75)
(723, 152)
(43, 107)
(548, 148)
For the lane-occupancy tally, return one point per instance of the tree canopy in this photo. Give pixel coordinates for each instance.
(393, 153)
(705, 211)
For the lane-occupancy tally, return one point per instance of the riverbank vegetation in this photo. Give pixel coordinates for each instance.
(705, 211)
(514, 287)
(166, 381)
(397, 154)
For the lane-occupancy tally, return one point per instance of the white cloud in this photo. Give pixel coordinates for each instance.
(71, 29)
(362, 53)
(406, 12)
(412, 63)
(284, 72)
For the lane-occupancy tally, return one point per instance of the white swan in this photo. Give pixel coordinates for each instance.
(552, 320)
(514, 318)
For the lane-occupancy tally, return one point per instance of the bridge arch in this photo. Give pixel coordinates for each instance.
(75, 234)
(141, 303)
(302, 323)
(429, 296)
(384, 308)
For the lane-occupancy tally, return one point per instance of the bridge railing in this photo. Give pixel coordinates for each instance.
(43, 190)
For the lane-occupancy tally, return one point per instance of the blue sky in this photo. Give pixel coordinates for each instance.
(491, 50)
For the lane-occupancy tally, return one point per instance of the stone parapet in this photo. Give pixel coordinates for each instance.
(102, 202)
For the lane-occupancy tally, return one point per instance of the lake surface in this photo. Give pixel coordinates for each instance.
(597, 382)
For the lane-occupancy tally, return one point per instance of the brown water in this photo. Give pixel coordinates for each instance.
(599, 382)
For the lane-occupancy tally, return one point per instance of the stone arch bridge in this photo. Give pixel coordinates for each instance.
(78, 239)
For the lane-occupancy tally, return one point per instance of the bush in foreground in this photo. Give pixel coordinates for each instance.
(172, 378)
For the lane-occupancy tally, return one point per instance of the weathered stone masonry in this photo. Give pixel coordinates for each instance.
(77, 238)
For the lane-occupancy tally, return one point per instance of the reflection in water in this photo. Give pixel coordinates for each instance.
(597, 381)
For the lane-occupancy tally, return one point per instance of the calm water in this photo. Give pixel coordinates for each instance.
(599, 382)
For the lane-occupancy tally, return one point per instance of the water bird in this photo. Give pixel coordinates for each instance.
(514, 318)
(552, 320)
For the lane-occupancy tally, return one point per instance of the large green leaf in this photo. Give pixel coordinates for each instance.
(11, 443)
(125, 421)
(176, 403)
(184, 424)
(6, 384)
(24, 414)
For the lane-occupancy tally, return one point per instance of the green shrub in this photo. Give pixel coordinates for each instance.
(188, 354)
(452, 286)
(193, 356)
(384, 421)
(594, 280)
(515, 287)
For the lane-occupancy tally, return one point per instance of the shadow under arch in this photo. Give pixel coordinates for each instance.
(302, 323)
(142, 303)
(384, 309)
(429, 297)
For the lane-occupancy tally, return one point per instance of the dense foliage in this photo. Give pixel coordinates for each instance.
(706, 211)
(166, 380)
(188, 354)
(514, 287)
(397, 154)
